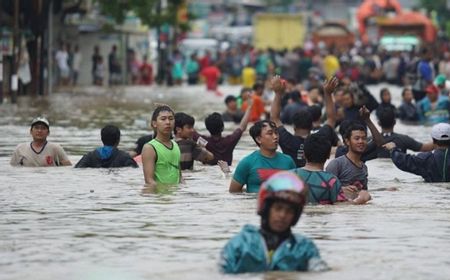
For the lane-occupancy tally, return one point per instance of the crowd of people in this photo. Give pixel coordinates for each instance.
(68, 65)
(285, 181)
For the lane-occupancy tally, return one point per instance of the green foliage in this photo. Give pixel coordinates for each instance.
(440, 7)
(146, 10)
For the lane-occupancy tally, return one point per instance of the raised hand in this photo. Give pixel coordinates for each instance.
(278, 85)
(330, 85)
(389, 146)
(364, 113)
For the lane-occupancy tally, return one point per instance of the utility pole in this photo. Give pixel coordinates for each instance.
(1, 58)
(160, 75)
(16, 42)
(49, 49)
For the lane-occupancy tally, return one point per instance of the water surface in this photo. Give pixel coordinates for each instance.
(103, 224)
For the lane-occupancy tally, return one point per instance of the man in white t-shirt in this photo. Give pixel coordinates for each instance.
(39, 152)
(62, 58)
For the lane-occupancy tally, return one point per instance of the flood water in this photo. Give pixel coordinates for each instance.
(70, 223)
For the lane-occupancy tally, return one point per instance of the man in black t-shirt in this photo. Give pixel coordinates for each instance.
(293, 144)
(403, 142)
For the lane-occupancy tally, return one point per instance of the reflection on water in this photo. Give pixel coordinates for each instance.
(104, 224)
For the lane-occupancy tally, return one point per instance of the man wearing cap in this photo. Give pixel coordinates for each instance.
(39, 152)
(433, 166)
(434, 108)
(440, 82)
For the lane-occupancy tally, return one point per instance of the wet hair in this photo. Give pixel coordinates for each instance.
(302, 119)
(110, 135)
(344, 125)
(245, 89)
(386, 118)
(214, 123)
(317, 148)
(316, 112)
(291, 80)
(159, 109)
(257, 128)
(441, 142)
(347, 92)
(405, 90)
(355, 126)
(141, 142)
(229, 98)
(382, 92)
(182, 119)
(257, 86)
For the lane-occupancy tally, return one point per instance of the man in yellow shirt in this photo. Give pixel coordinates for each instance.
(330, 65)
(248, 76)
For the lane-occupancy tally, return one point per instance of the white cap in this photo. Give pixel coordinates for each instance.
(441, 131)
(40, 120)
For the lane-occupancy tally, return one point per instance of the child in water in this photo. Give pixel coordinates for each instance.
(280, 203)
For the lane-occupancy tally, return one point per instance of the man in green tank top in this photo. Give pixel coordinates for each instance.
(161, 156)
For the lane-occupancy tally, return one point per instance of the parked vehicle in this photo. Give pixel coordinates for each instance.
(278, 31)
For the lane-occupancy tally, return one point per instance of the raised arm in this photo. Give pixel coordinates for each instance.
(376, 135)
(246, 117)
(148, 162)
(278, 87)
(329, 86)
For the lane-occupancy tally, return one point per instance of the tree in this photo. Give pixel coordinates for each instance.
(440, 7)
(147, 11)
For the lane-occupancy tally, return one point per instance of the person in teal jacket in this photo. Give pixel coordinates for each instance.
(434, 108)
(273, 246)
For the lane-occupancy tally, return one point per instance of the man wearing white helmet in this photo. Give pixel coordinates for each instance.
(280, 204)
(39, 152)
(433, 166)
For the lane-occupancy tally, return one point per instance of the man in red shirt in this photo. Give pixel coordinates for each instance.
(146, 72)
(211, 75)
(205, 61)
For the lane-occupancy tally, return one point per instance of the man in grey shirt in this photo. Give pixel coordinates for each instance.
(349, 168)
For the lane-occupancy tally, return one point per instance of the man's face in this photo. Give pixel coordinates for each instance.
(187, 132)
(338, 96)
(269, 138)
(314, 95)
(357, 142)
(281, 216)
(432, 96)
(164, 123)
(347, 100)
(408, 96)
(39, 132)
(246, 94)
(232, 105)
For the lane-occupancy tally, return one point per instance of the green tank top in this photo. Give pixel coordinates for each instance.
(167, 167)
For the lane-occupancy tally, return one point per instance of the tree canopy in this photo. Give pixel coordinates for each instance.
(147, 11)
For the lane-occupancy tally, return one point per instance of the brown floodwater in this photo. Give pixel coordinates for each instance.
(103, 224)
